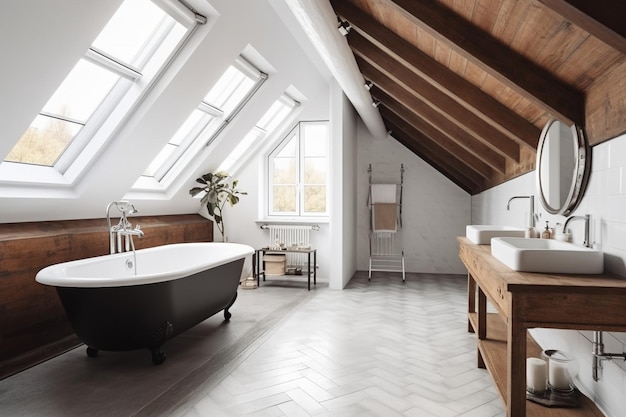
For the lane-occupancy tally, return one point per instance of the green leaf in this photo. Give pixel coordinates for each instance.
(217, 191)
(195, 191)
(213, 196)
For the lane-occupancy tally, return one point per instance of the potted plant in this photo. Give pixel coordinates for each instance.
(217, 191)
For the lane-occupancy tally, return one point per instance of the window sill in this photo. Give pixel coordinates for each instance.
(293, 220)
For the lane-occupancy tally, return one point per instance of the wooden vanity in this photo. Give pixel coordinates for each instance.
(528, 300)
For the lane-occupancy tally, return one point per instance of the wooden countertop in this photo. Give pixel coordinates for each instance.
(531, 281)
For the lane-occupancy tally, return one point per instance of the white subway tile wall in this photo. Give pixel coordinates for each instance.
(605, 201)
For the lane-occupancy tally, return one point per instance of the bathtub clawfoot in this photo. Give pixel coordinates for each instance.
(158, 357)
(92, 352)
(160, 335)
(227, 314)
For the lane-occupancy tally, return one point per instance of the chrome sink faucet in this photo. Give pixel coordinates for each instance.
(531, 220)
(586, 219)
(123, 228)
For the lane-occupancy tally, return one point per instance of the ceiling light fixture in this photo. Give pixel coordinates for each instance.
(344, 27)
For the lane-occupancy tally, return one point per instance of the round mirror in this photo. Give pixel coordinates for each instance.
(563, 165)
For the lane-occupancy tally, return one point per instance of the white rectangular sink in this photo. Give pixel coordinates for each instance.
(482, 234)
(546, 255)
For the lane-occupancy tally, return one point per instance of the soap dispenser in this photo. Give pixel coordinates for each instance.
(547, 233)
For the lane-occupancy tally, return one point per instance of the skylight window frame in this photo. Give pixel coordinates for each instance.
(102, 59)
(116, 108)
(263, 133)
(174, 164)
(120, 91)
(227, 120)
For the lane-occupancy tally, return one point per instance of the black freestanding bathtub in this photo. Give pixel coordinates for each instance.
(113, 307)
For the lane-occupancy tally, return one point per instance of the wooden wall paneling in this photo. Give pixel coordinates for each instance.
(449, 134)
(485, 14)
(510, 18)
(434, 159)
(605, 23)
(502, 62)
(385, 87)
(473, 73)
(444, 104)
(455, 162)
(593, 61)
(33, 325)
(431, 134)
(474, 99)
(526, 165)
(540, 60)
(606, 107)
(536, 28)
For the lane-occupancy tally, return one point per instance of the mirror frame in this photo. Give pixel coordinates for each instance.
(580, 177)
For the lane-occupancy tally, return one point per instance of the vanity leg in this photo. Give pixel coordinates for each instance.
(482, 323)
(471, 299)
(516, 365)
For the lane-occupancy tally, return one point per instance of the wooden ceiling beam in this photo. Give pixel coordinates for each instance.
(432, 135)
(464, 92)
(455, 112)
(386, 91)
(453, 172)
(605, 21)
(511, 68)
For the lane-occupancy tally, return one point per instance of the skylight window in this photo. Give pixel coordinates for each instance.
(65, 114)
(221, 104)
(273, 117)
(134, 45)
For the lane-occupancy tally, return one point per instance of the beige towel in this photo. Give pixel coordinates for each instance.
(384, 217)
(383, 193)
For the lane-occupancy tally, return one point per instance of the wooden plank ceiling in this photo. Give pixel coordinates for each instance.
(468, 84)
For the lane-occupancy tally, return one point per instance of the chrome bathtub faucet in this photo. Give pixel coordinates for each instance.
(123, 229)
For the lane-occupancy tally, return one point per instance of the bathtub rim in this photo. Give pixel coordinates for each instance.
(53, 275)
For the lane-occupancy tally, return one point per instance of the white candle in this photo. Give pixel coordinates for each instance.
(559, 377)
(536, 374)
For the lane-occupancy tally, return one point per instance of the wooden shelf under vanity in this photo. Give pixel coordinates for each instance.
(493, 354)
(530, 300)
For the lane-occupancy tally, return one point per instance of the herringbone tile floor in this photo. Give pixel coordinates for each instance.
(379, 348)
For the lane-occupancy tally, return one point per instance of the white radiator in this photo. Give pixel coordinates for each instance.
(291, 237)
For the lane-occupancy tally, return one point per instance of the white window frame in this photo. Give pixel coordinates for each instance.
(117, 107)
(299, 213)
(203, 135)
(261, 132)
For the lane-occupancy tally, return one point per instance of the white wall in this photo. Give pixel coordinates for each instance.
(343, 183)
(605, 201)
(435, 211)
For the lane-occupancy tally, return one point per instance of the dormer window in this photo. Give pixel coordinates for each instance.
(298, 172)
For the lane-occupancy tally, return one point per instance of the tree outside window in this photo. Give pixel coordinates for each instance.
(299, 172)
